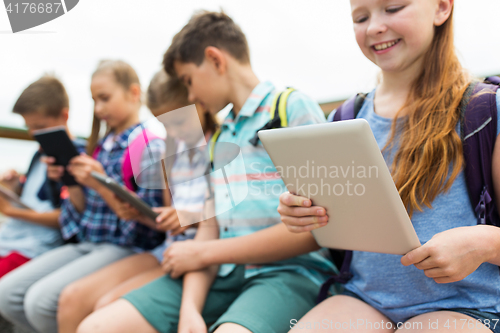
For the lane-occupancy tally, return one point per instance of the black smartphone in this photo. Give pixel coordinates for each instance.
(56, 143)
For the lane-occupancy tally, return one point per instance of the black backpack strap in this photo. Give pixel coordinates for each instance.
(478, 131)
(343, 276)
(278, 120)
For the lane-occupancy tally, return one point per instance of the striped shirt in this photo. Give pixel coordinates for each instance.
(249, 200)
(188, 186)
(98, 223)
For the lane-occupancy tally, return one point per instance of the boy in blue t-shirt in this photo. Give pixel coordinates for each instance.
(29, 233)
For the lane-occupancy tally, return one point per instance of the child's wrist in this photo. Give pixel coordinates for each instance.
(13, 212)
(490, 243)
(206, 256)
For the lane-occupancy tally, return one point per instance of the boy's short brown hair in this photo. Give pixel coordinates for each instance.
(206, 29)
(46, 96)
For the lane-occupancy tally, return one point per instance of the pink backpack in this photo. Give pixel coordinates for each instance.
(135, 148)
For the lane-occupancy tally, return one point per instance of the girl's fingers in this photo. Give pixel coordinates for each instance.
(179, 230)
(435, 273)
(164, 214)
(445, 279)
(427, 264)
(415, 256)
(301, 211)
(169, 223)
(303, 224)
(298, 230)
(289, 199)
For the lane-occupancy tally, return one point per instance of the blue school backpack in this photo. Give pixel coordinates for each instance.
(478, 128)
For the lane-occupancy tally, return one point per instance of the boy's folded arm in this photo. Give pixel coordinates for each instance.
(265, 246)
(196, 286)
(48, 219)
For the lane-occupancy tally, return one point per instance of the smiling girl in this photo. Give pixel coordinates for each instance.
(452, 280)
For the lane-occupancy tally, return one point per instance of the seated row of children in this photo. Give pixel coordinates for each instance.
(87, 262)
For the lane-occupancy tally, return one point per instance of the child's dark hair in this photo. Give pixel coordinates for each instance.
(167, 90)
(125, 76)
(206, 29)
(45, 96)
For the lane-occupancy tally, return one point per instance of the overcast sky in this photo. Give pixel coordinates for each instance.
(305, 44)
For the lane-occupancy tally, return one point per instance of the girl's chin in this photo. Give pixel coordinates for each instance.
(389, 66)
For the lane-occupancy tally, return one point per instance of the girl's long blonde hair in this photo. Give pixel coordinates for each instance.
(125, 76)
(430, 155)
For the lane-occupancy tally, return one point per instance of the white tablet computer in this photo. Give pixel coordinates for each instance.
(339, 166)
(125, 195)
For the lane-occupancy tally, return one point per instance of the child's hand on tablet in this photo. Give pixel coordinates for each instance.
(10, 179)
(298, 214)
(126, 212)
(168, 219)
(453, 254)
(5, 207)
(54, 172)
(81, 167)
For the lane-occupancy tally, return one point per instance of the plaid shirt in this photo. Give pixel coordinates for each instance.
(98, 223)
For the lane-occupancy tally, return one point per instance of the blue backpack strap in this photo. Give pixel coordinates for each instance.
(479, 132)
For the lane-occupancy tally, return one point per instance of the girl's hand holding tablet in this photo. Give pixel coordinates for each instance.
(453, 254)
(10, 179)
(168, 220)
(81, 166)
(298, 215)
(5, 207)
(126, 212)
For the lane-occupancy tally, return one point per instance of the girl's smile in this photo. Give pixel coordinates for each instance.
(384, 47)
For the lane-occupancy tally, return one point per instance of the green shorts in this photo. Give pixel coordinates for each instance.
(264, 303)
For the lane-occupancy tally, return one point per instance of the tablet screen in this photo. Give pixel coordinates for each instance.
(56, 143)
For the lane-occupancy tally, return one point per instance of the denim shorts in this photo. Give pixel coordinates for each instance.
(484, 317)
